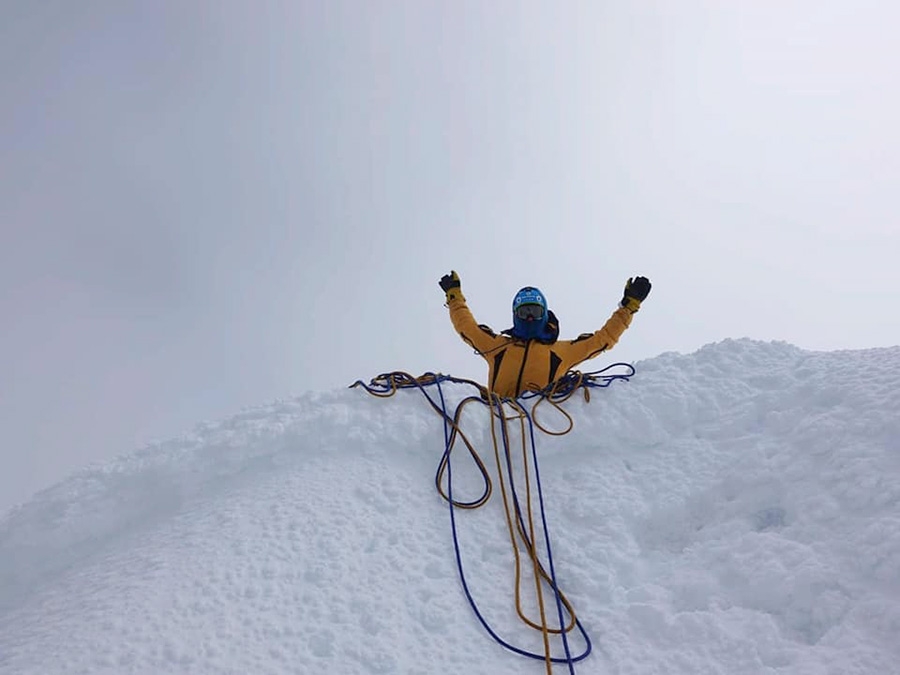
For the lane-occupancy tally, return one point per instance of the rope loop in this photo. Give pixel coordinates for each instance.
(510, 417)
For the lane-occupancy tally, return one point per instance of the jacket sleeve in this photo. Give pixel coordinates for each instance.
(590, 345)
(483, 340)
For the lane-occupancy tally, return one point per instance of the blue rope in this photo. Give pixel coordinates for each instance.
(554, 583)
(570, 660)
(597, 379)
(385, 384)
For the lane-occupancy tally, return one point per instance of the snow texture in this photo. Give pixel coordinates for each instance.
(735, 510)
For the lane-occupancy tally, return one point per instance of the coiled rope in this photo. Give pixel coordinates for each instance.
(521, 527)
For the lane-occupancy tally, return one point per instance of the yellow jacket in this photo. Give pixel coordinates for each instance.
(516, 366)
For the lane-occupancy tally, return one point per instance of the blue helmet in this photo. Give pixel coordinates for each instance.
(529, 296)
(529, 314)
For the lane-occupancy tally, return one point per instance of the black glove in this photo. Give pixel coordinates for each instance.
(636, 291)
(449, 281)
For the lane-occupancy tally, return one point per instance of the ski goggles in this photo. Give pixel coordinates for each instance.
(526, 312)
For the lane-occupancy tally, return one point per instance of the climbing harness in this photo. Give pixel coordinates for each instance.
(518, 509)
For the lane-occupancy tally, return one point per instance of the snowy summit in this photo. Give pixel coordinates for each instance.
(733, 511)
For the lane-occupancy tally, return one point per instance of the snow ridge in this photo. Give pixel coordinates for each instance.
(735, 510)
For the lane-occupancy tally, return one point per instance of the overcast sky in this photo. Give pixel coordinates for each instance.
(210, 205)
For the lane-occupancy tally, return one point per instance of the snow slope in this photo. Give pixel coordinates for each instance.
(735, 510)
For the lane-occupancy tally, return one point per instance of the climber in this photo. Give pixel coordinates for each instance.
(529, 356)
